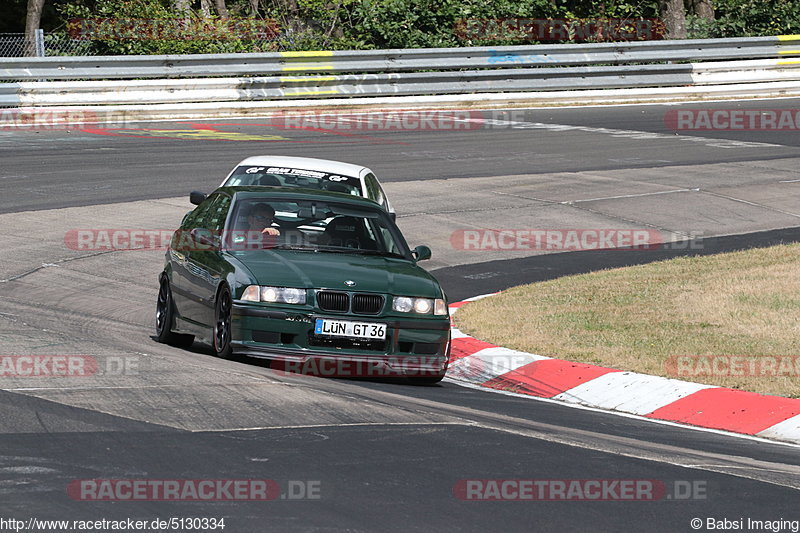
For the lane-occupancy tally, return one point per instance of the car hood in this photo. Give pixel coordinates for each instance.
(324, 270)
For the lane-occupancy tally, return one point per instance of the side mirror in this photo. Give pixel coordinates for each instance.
(197, 197)
(421, 253)
(393, 216)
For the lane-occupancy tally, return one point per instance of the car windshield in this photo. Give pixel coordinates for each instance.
(313, 225)
(294, 177)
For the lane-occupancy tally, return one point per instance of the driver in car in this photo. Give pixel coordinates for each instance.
(260, 220)
(259, 233)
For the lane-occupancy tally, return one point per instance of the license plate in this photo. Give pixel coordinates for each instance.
(344, 328)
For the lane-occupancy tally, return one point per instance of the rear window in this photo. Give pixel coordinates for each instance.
(294, 177)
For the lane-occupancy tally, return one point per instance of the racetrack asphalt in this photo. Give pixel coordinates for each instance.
(386, 456)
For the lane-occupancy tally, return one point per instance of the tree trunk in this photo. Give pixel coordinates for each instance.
(293, 16)
(205, 8)
(674, 16)
(253, 8)
(222, 9)
(701, 8)
(33, 19)
(182, 7)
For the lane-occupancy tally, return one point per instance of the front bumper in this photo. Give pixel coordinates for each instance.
(413, 346)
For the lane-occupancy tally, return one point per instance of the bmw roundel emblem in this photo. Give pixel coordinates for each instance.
(350, 283)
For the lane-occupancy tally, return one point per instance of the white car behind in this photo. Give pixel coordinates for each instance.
(309, 173)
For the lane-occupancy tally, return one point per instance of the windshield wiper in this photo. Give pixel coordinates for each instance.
(295, 247)
(377, 252)
(361, 251)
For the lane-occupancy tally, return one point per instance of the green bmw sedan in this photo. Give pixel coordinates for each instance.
(316, 280)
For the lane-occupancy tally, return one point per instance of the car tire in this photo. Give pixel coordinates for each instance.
(221, 335)
(165, 316)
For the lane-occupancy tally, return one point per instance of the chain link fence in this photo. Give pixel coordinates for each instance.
(15, 45)
(61, 44)
(55, 44)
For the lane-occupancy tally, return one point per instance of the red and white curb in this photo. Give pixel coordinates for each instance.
(476, 362)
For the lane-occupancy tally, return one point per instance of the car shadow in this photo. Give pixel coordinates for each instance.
(279, 368)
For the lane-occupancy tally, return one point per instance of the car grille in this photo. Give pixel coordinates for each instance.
(367, 304)
(333, 301)
(340, 302)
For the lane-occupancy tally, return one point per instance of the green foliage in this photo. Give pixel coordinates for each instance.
(603, 8)
(366, 24)
(432, 23)
(320, 25)
(747, 18)
(143, 37)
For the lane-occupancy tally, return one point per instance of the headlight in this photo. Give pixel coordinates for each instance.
(422, 306)
(283, 295)
(403, 304)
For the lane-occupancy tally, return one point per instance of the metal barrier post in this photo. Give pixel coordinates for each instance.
(40, 42)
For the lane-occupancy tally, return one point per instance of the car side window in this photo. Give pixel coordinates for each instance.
(373, 189)
(190, 220)
(211, 214)
(382, 196)
(214, 218)
(387, 241)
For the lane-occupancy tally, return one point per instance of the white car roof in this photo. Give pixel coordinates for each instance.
(308, 163)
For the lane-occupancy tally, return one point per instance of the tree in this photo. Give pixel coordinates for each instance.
(222, 9)
(33, 19)
(674, 16)
(291, 14)
(701, 8)
(182, 7)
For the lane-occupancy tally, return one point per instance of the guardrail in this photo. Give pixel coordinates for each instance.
(125, 80)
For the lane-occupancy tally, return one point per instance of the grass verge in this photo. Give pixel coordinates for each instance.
(731, 320)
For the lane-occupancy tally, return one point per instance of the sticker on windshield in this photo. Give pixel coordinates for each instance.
(290, 172)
